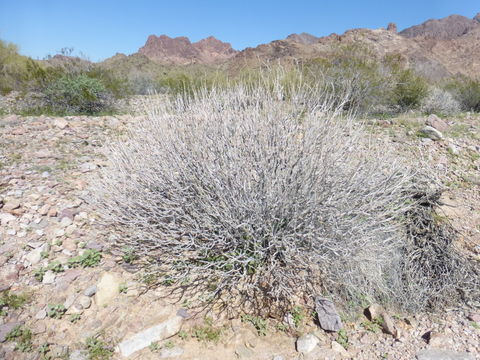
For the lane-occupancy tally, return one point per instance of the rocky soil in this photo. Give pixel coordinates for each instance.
(66, 295)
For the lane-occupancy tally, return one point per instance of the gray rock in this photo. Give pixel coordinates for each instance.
(171, 353)
(436, 354)
(34, 256)
(85, 301)
(49, 277)
(278, 357)
(327, 315)
(432, 133)
(42, 314)
(59, 351)
(5, 218)
(92, 290)
(244, 352)
(144, 338)
(6, 328)
(78, 355)
(306, 343)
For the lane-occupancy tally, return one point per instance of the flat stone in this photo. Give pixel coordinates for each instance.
(306, 343)
(92, 290)
(432, 133)
(6, 218)
(155, 333)
(437, 354)
(42, 314)
(85, 301)
(171, 353)
(327, 315)
(49, 277)
(439, 340)
(339, 349)
(11, 205)
(60, 123)
(244, 352)
(78, 355)
(107, 288)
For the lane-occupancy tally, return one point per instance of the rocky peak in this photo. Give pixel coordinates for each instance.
(392, 27)
(181, 50)
(303, 38)
(477, 17)
(447, 28)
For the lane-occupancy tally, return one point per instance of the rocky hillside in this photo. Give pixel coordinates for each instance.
(436, 48)
(448, 28)
(180, 51)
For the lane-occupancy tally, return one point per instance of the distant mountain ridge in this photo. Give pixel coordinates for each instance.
(436, 48)
(181, 51)
(448, 28)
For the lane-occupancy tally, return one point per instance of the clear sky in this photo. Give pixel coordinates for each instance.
(101, 28)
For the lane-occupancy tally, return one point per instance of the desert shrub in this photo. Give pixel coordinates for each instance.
(77, 95)
(13, 68)
(466, 91)
(410, 89)
(441, 102)
(354, 70)
(249, 195)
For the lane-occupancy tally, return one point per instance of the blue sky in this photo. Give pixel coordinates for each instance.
(99, 28)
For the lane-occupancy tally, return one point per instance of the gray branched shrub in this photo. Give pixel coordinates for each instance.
(264, 194)
(441, 102)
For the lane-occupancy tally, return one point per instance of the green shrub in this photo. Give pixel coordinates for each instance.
(78, 94)
(410, 90)
(466, 91)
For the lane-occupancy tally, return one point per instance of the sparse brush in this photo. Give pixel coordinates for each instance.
(265, 195)
(440, 102)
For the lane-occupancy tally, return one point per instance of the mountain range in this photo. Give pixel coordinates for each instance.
(436, 48)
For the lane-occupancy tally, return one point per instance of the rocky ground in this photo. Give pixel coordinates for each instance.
(65, 295)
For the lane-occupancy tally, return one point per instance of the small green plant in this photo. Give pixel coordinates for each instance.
(12, 301)
(43, 351)
(169, 344)
(183, 335)
(129, 255)
(342, 338)
(55, 266)
(23, 338)
(298, 316)
(98, 349)
(207, 332)
(154, 346)
(259, 324)
(56, 311)
(89, 258)
(44, 254)
(39, 273)
(475, 325)
(122, 288)
(74, 318)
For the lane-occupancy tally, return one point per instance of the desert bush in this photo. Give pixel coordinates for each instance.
(77, 95)
(248, 194)
(410, 89)
(12, 68)
(440, 102)
(466, 91)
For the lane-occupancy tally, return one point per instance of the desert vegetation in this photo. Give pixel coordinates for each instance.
(64, 84)
(271, 193)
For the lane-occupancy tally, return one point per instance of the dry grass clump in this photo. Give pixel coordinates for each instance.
(268, 194)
